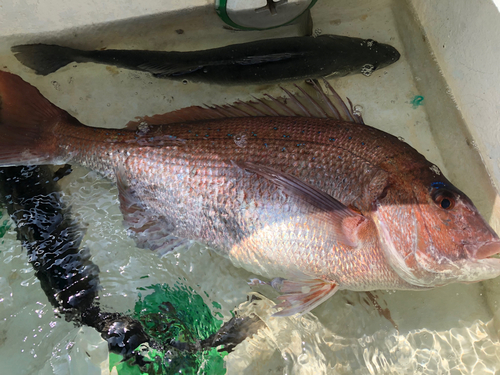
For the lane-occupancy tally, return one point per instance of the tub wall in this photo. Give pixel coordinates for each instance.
(35, 16)
(464, 37)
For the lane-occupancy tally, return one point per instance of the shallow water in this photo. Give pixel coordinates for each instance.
(450, 330)
(446, 330)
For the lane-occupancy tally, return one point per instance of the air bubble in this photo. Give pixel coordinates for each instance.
(303, 359)
(367, 69)
(143, 128)
(240, 139)
(357, 110)
(435, 169)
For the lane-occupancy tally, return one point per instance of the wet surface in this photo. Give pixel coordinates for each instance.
(445, 330)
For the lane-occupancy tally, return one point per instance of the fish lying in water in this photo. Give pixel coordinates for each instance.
(325, 203)
(52, 239)
(263, 61)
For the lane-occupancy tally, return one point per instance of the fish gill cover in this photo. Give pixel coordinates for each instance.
(173, 314)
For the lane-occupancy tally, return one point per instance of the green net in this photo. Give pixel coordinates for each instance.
(174, 313)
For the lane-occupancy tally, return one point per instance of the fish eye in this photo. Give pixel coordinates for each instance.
(444, 199)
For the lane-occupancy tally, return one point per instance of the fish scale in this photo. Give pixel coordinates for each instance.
(325, 203)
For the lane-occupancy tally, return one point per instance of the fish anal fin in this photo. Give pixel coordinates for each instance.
(299, 104)
(345, 221)
(301, 296)
(149, 230)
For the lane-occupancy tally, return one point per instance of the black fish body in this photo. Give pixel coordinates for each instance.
(263, 61)
(67, 276)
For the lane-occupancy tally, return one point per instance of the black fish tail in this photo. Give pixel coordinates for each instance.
(44, 58)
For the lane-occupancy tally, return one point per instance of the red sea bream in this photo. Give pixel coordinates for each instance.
(298, 191)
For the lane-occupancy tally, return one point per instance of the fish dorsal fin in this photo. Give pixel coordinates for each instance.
(346, 222)
(318, 103)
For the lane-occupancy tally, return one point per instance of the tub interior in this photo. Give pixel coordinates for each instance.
(452, 329)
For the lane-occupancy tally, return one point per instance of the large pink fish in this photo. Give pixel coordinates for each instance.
(326, 203)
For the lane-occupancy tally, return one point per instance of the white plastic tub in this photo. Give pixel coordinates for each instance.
(449, 57)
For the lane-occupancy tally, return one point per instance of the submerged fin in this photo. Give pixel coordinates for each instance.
(27, 123)
(44, 58)
(168, 69)
(62, 172)
(149, 231)
(303, 105)
(301, 296)
(345, 220)
(272, 57)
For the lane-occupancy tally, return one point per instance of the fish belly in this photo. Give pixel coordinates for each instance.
(254, 223)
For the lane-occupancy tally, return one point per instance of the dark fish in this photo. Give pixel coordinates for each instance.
(272, 60)
(51, 237)
(321, 200)
(70, 279)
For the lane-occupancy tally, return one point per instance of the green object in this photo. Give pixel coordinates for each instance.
(254, 15)
(417, 100)
(174, 313)
(4, 227)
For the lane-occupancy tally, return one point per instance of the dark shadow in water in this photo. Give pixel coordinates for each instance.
(52, 239)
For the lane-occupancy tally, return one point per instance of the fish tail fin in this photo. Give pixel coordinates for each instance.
(29, 124)
(45, 58)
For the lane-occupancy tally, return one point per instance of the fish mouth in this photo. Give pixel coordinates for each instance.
(395, 55)
(488, 250)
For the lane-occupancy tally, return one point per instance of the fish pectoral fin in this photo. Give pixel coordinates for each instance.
(301, 296)
(167, 69)
(269, 58)
(346, 222)
(149, 231)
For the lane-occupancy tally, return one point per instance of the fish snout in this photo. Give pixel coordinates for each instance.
(487, 250)
(386, 55)
(395, 55)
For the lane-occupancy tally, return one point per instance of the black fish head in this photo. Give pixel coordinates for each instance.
(356, 55)
(378, 55)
